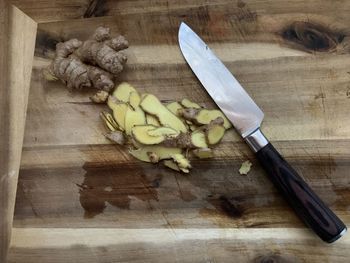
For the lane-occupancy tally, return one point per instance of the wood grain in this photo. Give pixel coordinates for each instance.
(82, 199)
(17, 38)
(172, 245)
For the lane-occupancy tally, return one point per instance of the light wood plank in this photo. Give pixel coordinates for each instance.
(17, 38)
(172, 245)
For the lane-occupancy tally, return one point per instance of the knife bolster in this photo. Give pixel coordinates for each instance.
(256, 140)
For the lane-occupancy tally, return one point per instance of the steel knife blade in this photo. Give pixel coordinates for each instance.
(246, 117)
(221, 85)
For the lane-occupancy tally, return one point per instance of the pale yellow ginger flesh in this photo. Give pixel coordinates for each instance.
(152, 120)
(198, 139)
(215, 133)
(174, 107)
(133, 118)
(109, 122)
(149, 134)
(141, 135)
(134, 99)
(189, 104)
(245, 167)
(182, 162)
(161, 152)
(204, 116)
(171, 164)
(122, 92)
(119, 110)
(203, 153)
(152, 105)
(163, 132)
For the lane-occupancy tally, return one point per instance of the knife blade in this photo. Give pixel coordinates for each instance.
(246, 118)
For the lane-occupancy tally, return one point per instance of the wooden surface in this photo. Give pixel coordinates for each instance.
(81, 199)
(17, 38)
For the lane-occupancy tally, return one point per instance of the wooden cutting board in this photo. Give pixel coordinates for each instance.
(82, 199)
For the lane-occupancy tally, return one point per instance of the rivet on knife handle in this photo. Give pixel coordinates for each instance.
(299, 195)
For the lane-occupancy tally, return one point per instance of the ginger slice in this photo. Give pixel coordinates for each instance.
(143, 154)
(151, 120)
(204, 116)
(122, 92)
(171, 164)
(163, 131)
(245, 167)
(149, 134)
(203, 153)
(215, 133)
(189, 104)
(117, 137)
(198, 139)
(134, 99)
(119, 110)
(133, 118)
(174, 107)
(109, 121)
(182, 162)
(152, 105)
(141, 135)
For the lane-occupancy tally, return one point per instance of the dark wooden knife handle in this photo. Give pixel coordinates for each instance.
(301, 197)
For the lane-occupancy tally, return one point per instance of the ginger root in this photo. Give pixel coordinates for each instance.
(162, 133)
(93, 63)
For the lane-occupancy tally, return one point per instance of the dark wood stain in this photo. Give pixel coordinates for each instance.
(312, 36)
(115, 186)
(96, 8)
(45, 44)
(229, 206)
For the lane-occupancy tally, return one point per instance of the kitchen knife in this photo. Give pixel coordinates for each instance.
(246, 117)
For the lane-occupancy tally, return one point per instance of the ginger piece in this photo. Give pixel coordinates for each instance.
(151, 120)
(163, 131)
(203, 153)
(152, 105)
(123, 91)
(100, 97)
(119, 111)
(182, 162)
(48, 75)
(149, 134)
(245, 167)
(134, 100)
(189, 104)
(92, 63)
(141, 135)
(109, 121)
(174, 107)
(172, 165)
(116, 136)
(204, 116)
(162, 152)
(215, 131)
(133, 118)
(198, 139)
